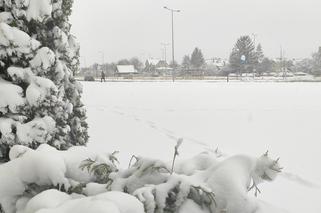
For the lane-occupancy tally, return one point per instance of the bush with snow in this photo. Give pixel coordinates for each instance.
(86, 180)
(30, 171)
(39, 97)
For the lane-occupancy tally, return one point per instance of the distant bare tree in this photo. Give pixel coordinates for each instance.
(137, 63)
(123, 62)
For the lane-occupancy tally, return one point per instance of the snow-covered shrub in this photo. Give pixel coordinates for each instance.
(207, 181)
(39, 97)
(211, 183)
(31, 171)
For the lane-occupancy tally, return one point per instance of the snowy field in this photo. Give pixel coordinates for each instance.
(146, 118)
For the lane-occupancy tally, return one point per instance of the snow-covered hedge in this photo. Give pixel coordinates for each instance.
(208, 182)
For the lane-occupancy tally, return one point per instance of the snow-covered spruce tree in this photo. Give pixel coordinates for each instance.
(244, 47)
(39, 97)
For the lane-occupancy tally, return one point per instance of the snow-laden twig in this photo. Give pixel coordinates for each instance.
(257, 190)
(131, 159)
(176, 153)
(100, 170)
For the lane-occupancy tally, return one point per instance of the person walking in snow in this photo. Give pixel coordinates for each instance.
(102, 77)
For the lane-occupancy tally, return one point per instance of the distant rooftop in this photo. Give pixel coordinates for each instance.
(126, 69)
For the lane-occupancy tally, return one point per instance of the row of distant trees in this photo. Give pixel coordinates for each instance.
(245, 57)
(248, 58)
(196, 61)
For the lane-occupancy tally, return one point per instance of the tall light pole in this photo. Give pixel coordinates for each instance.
(173, 56)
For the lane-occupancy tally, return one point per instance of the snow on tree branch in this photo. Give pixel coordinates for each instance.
(38, 59)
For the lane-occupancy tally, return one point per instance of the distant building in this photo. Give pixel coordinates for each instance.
(216, 62)
(162, 68)
(125, 70)
(215, 65)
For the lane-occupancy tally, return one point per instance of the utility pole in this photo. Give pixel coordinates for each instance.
(165, 48)
(102, 60)
(173, 55)
(254, 42)
(283, 69)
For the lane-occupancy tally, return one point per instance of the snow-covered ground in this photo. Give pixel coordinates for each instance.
(146, 118)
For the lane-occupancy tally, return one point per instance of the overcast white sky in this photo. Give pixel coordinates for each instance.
(127, 28)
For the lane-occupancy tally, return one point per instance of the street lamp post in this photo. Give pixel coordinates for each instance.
(173, 56)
